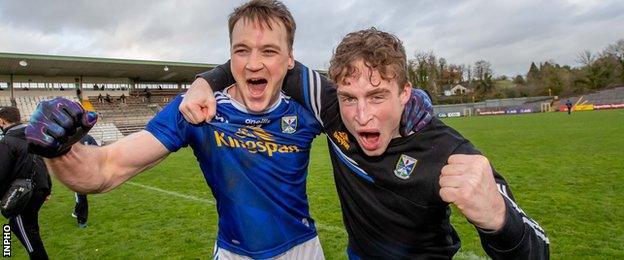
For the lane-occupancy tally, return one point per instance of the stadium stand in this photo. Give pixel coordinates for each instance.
(26, 79)
(157, 96)
(124, 117)
(493, 107)
(105, 133)
(603, 99)
(28, 104)
(128, 117)
(5, 101)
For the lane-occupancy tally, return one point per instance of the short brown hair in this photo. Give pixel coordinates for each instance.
(10, 114)
(379, 50)
(265, 12)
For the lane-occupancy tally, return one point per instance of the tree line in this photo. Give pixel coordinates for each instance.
(596, 71)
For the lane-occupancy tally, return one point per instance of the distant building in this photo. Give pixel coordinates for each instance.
(457, 89)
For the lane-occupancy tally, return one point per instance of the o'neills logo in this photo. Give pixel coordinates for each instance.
(254, 140)
(342, 138)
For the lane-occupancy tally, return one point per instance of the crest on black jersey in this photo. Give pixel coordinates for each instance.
(405, 166)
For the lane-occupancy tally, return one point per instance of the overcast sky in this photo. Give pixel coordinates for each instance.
(508, 33)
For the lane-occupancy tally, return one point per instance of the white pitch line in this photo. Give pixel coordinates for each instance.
(330, 228)
(468, 255)
(179, 195)
(210, 202)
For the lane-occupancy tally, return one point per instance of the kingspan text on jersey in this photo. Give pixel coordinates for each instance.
(253, 146)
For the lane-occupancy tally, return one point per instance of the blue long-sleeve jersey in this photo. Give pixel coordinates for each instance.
(256, 166)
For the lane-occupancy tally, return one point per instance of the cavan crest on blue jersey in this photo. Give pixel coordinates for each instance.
(289, 124)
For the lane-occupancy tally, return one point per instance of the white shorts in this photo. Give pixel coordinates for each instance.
(310, 249)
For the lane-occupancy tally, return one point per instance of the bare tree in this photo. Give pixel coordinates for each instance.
(585, 58)
(481, 69)
(615, 51)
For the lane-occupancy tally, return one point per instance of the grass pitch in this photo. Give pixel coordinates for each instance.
(565, 171)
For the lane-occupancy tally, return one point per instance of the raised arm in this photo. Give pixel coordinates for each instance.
(58, 124)
(92, 169)
(484, 198)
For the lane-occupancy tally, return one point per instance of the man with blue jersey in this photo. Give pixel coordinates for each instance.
(395, 188)
(254, 154)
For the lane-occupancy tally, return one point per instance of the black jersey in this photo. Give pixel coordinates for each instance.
(390, 203)
(16, 162)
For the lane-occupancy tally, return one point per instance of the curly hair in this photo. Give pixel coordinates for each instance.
(265, 12)
(379, 50)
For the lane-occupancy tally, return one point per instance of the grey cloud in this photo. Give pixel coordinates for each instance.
(509, 34)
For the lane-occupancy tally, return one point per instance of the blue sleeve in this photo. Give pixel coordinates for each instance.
(169, 127)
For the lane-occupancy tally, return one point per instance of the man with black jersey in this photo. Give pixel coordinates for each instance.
(16, 162)
(395, 190)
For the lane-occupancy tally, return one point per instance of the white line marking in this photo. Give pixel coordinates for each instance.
(179, 195)
(468, 255)
(210, 202)
(330, 228)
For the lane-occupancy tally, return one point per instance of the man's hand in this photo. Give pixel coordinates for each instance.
(56, 125)
(417, 113)
(468, 182)
(198, 104)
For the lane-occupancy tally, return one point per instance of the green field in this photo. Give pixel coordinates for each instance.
(565, 171)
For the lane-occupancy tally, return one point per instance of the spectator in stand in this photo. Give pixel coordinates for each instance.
(148, 95)
(95, 87)
(79, 93)
(108, 98)
(100, 98)
(568, 104)
(122, 98)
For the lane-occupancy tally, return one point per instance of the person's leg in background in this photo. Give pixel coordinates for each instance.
(25, 226)
(81, 210)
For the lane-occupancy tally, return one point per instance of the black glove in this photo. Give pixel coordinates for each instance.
(56, 125)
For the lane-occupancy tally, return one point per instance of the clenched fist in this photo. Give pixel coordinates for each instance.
(198, 104)
(468, 182)
(56, 125)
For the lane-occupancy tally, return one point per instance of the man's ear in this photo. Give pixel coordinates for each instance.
(291, 60)
(406, 92)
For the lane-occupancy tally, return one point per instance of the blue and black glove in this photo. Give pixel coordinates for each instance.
(417, 114)
(56, 125)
